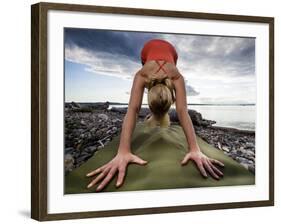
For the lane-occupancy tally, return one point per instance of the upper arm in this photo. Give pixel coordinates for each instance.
(181, 102)
(136, 92)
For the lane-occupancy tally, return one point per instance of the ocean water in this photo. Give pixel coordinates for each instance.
(241, 117)
(235, 116)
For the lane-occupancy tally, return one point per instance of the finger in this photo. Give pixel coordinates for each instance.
(98, 178)
(202, 169)
(185, 159)
(96, 171)
(107, 179)
(215, 169)
(121, 175)
(217, 162)
(138, 160)
(210, 170)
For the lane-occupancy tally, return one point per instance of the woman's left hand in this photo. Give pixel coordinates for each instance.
(204, 164)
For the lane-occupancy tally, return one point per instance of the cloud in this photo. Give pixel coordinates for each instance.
(209, 64)
(190, 91)
(213, 56)
(126, 43)
(102, 63)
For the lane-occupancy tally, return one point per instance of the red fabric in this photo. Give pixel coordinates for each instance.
(157, 49)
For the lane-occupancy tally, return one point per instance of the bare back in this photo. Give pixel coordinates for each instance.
(153, 70)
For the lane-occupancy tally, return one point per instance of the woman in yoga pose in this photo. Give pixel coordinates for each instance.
(166, 86)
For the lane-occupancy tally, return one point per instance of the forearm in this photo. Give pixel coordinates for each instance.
(188, 129)
(128, 127)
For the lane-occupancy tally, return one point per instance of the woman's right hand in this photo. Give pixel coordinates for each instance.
(118, 164)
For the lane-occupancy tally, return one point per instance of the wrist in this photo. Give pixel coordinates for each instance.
(122, 151)
(195, 149)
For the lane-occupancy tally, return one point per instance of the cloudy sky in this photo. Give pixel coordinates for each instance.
(100, 65)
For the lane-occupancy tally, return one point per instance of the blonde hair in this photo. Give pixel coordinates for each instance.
(160, 96)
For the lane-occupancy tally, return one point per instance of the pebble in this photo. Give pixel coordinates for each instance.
(224, 148)
(68, 162)
(103, 117)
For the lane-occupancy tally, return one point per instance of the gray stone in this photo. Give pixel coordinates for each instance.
(69, 150)
(91, 149)
(250, 145)
(116, 120)
(68, 162)
(104, 117)
(224, 148)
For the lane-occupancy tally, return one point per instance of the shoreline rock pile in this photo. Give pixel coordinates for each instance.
(90, 126)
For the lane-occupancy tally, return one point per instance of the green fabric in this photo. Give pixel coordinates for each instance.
(163, 148)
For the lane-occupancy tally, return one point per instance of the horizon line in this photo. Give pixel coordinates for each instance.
(117, 103)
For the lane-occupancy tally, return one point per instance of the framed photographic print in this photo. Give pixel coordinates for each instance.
(141, 111)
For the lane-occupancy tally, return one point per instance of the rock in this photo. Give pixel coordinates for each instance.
(249, 145)
(173, 116)
(68, 162)
(91, 149)
(224, 148)
(99, 106)
(251, 158)
(83, 158)
(121, 110)
(69, 150)
(116, 120)
(82, 122)
(103, 117)
(87, 107)
(144, 112)
(198, 120)
(75, 105)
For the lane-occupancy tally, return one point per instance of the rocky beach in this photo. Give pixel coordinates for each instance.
(90, 126)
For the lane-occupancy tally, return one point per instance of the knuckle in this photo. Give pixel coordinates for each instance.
(122, 172)
(110, 174)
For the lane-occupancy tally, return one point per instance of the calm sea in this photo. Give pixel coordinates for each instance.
(236, 116)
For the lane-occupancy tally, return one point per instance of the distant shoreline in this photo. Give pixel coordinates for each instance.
(191, 104)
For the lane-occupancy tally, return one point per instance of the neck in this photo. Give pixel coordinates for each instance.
(162, 120)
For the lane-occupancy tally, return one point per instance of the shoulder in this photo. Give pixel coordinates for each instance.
(173, 72)
(139, 78)
(176, 76)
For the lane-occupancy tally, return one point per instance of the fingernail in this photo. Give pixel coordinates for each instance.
(89, 185)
